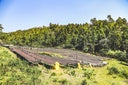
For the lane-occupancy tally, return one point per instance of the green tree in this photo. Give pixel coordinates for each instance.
(1, 28)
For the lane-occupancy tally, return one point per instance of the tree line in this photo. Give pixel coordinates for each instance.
(107, 37)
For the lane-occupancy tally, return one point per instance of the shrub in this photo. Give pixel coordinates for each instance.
(124, 73)
(64, 82)
(121, 55)
(85, 49)
(121, 73)
(84, 82)
(113, 70)
(68, 46)
(53, 74)
(89, 74)
(55, 80)
(16, 72)
(73, 73)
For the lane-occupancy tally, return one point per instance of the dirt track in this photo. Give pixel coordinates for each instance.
(71, 57)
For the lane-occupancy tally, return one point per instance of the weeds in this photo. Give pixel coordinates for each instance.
(14, 71)
(113, 70)
(119, 72)
(72, 73)
(64, 82)
(89, 74)
(53, 74)
(84, 82)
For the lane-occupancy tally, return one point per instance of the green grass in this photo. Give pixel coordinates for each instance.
(14, 71)
(52, 54)
(92, 76)
(103, 78)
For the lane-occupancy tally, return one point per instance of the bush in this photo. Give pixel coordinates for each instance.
(68, 46)
(53, 74)
(89, 74)
(113, 70)
(85, 49)
(103, 51)
(84, 82)
(124, 73)
(121, 73)
(121, 55)
(55, 80)
(14, 71)
(73, 73)
(64, 82)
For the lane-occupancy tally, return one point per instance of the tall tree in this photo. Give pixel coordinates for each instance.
(1, 28)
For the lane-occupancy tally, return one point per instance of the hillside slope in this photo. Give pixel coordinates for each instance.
(14, 71)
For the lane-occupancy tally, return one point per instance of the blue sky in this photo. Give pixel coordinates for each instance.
(24, 14)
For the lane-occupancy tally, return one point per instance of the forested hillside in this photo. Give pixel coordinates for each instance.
(105, 37)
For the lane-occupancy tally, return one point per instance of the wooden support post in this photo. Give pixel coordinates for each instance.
(79, 66)
(57, 66)
(90, 65)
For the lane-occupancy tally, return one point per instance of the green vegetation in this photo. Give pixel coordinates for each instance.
(119, 72)
(113, 70)
(1, 28)
(84, 82)
(121, 55)
(111, 73)
(98, 37)
(52, 54)
(105, 37)
(14, 71)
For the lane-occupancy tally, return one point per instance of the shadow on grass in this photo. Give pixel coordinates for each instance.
(124, 63)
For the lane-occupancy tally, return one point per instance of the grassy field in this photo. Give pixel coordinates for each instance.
(104, 78)
(14, 71)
